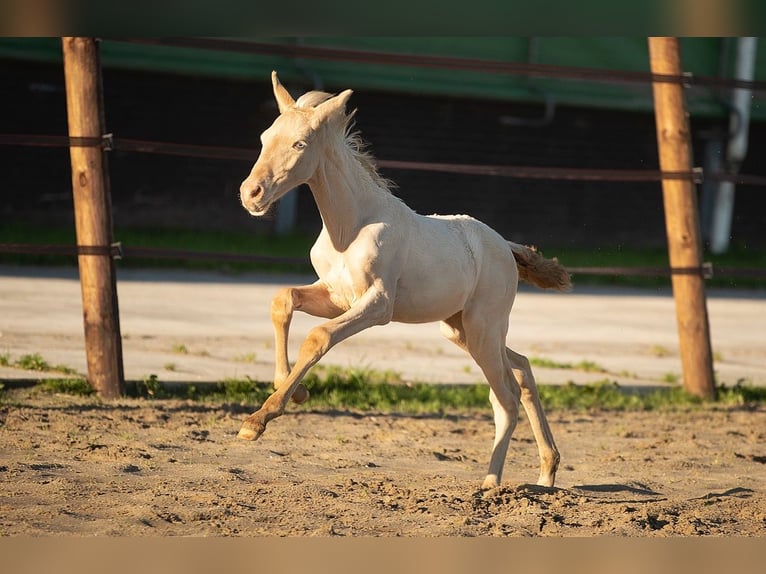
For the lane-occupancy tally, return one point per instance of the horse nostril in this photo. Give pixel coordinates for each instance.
(250, 193)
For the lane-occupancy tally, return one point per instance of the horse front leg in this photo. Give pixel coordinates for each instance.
(375, 307)
(312, 299)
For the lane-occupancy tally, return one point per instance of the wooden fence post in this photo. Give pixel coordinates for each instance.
(682, 220)
(93, 221)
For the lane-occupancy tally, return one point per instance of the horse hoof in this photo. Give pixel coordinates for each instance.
(490, 482)
(301, 395)
(546, 480)
(248, 433)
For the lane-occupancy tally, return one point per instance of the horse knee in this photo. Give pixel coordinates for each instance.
(282, 305)
(521, 362)
(506, 399)
(522, 371)
(317, 342)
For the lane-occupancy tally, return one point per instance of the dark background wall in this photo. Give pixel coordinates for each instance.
(179, 192)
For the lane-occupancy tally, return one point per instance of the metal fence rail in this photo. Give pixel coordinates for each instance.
(110, 143)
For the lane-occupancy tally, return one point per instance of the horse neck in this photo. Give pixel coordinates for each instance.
(345, 194)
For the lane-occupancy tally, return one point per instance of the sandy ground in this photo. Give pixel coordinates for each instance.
(77, 466)
(139, 468)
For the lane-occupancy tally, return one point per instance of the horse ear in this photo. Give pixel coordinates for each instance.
(332, 107)
(284, 99)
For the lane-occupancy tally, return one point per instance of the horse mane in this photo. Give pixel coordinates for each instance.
(351, 138)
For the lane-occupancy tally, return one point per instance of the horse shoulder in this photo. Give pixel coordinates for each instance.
(369, 260)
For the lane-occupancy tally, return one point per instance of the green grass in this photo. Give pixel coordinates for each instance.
(369, 390)
(584, 365)
(35, 362)
(546, 363)
(151, 388)
(670, 378)
(608, 395)
(298, 245)
(366, 389)
(79, 387)
(374, 391)
(32, 362)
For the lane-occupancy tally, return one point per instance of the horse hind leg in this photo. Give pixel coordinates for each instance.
(530, 400)
(504, 392)
(504, 399)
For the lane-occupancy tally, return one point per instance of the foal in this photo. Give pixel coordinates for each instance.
(379, 261)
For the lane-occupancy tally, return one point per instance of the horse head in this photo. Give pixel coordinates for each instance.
(291, 148)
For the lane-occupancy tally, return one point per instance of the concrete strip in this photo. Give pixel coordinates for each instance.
(199, 326)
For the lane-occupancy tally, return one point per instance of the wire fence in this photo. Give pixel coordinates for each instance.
(110, 143)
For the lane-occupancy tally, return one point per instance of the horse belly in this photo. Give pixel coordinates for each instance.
(424, 297)
(442, 268)
(424, 310)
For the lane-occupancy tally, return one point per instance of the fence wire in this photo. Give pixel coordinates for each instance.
(110, 143)
(120, 251)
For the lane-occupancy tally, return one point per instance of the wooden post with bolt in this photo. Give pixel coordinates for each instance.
(682, 220)
(93, 221)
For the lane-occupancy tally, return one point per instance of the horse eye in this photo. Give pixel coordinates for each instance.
(299, 145)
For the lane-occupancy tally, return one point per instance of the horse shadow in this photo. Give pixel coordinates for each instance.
(641, 493)
(638, 489)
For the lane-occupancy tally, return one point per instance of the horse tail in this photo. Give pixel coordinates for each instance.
(539, 271)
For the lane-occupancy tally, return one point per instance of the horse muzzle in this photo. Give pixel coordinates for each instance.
(254, 198)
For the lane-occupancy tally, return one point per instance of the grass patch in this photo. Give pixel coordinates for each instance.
(369, 390)
(590, 367)
(670, 378)
(243, 391)
(35, 362)
(151, 388)
(373, 390)
(545, 363)
(79, 387)
(741, 394)
(608, 395)
(584, 365)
